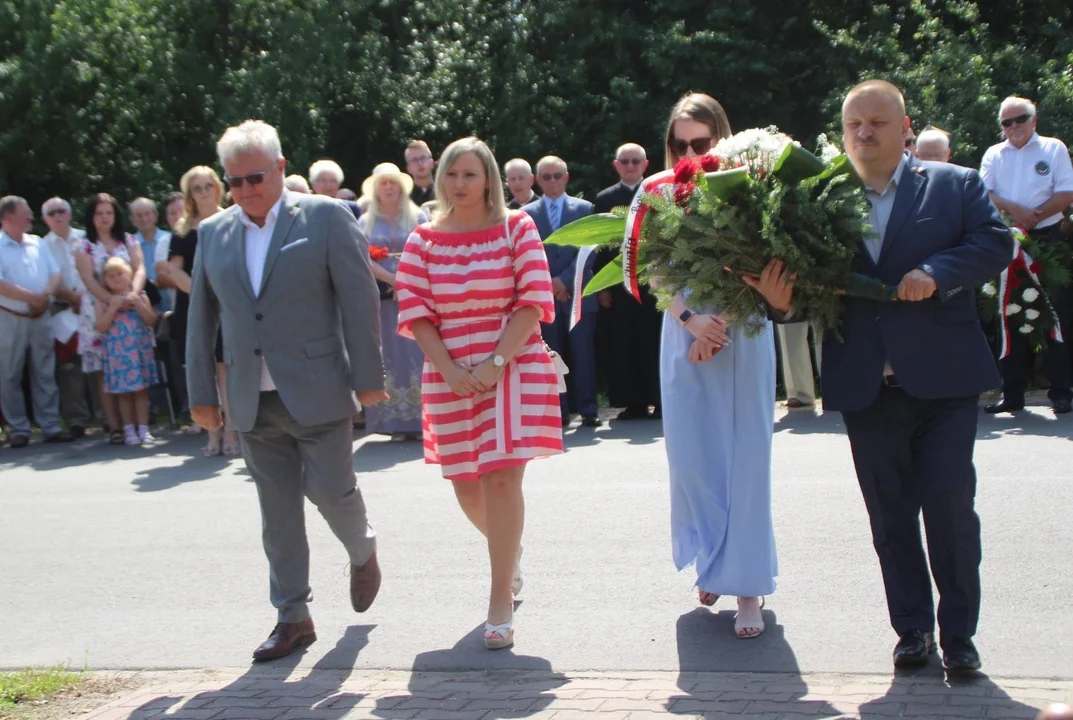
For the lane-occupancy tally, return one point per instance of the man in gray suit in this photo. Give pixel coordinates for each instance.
(286, 276)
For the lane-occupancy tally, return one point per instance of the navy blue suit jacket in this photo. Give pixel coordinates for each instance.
(942, 218)
(561, 257)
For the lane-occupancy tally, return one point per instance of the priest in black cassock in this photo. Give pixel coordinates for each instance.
(519, 176)
(631, 342)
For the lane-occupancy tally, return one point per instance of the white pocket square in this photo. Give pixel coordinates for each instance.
(296, 243)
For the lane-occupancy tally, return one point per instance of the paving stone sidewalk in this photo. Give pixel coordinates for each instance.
(282, 694)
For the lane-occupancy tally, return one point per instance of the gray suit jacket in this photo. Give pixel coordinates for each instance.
(315, 321)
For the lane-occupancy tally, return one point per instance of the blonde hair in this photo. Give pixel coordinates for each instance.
(493, 196)
(700, 108)
(190, 216)
(409, 212)
(116, 265)
(297, 183)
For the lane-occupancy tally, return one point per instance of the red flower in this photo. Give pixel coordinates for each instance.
(377, 252)
(683, 192)
(709, 163)
(686, 170)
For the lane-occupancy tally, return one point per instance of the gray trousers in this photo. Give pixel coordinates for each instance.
(290, 462)
(796, 360)
(19, 336)
(74, 404)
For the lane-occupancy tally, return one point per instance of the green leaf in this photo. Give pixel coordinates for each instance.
(609, 276)
(796, 164)
(720, 184)
(600, 229)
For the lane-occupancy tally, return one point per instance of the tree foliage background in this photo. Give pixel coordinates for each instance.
(124, 95)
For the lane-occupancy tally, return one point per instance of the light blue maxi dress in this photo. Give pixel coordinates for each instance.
(718, 419)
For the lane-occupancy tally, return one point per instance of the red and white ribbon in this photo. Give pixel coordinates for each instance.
(632, 235)
(579, 284)
(1005, 294)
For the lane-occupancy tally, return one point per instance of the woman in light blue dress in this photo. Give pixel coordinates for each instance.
(718, 416)
(387, 223)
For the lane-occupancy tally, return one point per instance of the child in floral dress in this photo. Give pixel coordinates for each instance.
(129, 366)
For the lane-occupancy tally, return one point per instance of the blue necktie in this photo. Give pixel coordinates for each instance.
(553, 215)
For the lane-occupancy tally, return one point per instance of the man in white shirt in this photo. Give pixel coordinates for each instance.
(156, 245)
(61, 240)
(1030, 178)
(29, 276)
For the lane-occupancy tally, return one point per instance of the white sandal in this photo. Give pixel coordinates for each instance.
(752, 627)
(516, 582)
(498, 637)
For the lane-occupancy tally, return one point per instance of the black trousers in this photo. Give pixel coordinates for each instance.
(914, 456)
(1056, 357)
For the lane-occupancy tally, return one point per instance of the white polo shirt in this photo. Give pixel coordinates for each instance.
(63, 251)
(1031, 175)
(27, 264)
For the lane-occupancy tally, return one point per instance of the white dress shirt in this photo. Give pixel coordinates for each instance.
(64, 252)
(1031, 175)
(257, 241)
(28, 264)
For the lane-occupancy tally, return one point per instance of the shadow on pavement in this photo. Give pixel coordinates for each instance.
(318, 690)
(634, 432)
(707, 644)
(536, 681)
(931, 687)
(381, 454)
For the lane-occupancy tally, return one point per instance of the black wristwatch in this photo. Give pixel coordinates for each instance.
(684, 317)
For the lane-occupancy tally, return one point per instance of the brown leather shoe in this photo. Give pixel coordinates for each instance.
(285, 639)
(364, 583)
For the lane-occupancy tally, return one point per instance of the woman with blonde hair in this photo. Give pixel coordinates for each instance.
(473, 287)
(202, 194)
(390, 219)
(718, 389)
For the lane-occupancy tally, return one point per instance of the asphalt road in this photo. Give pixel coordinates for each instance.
(151, 558)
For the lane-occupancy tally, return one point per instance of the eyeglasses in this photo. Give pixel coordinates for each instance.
(54, 213)
(210, 186)
(910, 142)
(548, 177)
(1019, 120)
(236, 182)
(420, 159)
(700, 145)
(631, 161)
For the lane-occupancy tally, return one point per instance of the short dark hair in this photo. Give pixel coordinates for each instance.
(172, 197)
(91, 210)
(9, 204)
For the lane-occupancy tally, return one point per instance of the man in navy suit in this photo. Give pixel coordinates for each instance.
(908, 375)
(577, 346)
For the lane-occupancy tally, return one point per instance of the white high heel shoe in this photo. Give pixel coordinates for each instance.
(498, 637)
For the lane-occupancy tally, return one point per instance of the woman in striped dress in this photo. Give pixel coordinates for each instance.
(473, 286)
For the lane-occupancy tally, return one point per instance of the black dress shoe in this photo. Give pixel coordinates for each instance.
(59, 437)
(960, 655)
(591, 421)
(19, 441)
(1062, 406)
(634, 412)
(657, 413)
(913, 649)
(1004, 406)
(77, 432)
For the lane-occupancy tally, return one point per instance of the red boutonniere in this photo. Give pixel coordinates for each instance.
(378, 252)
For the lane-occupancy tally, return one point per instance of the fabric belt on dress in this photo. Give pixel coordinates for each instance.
(508, 389)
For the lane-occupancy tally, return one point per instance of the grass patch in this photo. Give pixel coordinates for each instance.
(33, 684)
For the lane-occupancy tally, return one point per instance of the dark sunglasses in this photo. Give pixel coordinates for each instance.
(54, 213)
(1019, 120)
(910, 142)
(548, 177)
(631, 161)
(238, 181)
(700, 145)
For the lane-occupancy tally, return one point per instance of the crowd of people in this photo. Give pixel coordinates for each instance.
(437, 308)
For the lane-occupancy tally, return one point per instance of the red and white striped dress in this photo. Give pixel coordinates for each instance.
(468, 284)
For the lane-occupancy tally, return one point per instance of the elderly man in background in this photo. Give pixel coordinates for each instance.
(29, 276)
(156, 244)
(61, 239)
(1030, 178)
(326, 178)
(519, 175)
(933, 144)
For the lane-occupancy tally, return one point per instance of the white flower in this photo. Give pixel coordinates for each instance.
(989, 290)
(1030, 294)
(1025, 329)
(1031, 314)
(758, 148)
(1013, 309)
(827, 150)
